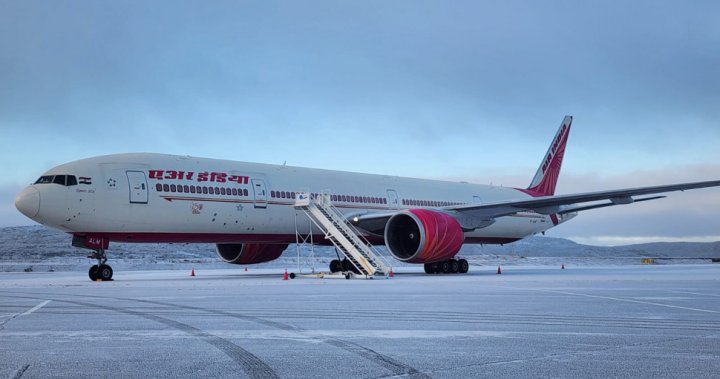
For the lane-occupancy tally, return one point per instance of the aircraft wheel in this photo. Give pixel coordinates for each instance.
(93, 272)
(105, 272)
(445, 266)
(348, 266)
(435, 268)
(463, 266)
(292, 275)
(454, 266)
(347, 276)
(335, 266)
(428, 268)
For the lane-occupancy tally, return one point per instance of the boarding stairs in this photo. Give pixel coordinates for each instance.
(344, 236)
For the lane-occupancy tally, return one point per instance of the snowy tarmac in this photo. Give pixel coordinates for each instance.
(635, 321)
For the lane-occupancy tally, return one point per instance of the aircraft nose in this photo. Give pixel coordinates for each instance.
(28, 202)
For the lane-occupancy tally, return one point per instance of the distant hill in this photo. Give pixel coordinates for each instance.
(46, 249)
(39, 242)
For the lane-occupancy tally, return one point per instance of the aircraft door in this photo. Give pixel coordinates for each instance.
(392, 199)
(138, 187)
(259, 193)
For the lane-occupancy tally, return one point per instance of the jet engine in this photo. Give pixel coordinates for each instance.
(423, 236)
(248, 253)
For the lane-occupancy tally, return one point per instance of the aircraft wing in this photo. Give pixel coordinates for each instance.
(557, 204)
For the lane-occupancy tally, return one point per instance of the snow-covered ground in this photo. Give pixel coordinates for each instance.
(583, 322)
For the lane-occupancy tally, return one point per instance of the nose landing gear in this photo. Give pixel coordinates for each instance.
(100, 271)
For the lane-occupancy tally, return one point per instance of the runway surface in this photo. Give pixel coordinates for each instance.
(638, 321)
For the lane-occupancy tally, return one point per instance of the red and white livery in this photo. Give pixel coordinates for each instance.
(247, 209)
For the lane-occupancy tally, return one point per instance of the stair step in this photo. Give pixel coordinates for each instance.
(343, 236)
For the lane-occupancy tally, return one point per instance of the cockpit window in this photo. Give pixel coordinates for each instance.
(60, 179)
(45, 179)
(64, 180)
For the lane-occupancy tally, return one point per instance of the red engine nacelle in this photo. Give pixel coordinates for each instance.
(423, 236)
(249, 253)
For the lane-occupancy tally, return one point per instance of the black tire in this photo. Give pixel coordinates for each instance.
(429, 268)
(335, 266)
(292, 275)
(454, 266)
(464, 266)
(435, 268)
(348, 266)
(93, 273)
(445, 266)
(347, 276)
(105, 272)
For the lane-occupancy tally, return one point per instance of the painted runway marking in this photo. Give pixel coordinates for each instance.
(697, 293)
(629, 300)
(33, 309)
(19, 373)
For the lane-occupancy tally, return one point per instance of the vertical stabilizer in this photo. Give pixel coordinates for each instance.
(546, 177)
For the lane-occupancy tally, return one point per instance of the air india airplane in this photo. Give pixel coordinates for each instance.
(247, 209)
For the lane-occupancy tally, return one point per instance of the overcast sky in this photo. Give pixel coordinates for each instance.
(449, 90)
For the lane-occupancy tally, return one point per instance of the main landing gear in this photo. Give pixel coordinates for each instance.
(344, 265)
(101, 270)
(450, 266)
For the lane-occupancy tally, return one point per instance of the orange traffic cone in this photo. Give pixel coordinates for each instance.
(285, 277)
(499, 272)
(192, 273)
(562, 267)
(391, 274)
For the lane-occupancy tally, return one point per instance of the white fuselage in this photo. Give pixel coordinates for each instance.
(167, 198)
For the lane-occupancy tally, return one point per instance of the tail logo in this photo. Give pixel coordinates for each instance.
(554, 147)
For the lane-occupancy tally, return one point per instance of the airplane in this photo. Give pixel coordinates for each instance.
(247, 209)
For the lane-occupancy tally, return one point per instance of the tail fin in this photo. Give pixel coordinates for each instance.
(546, 177)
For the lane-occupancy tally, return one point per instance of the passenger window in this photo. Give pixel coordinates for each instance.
(245, 192)
(158, 187)
(192, 189)
(173, 188)
(166, 188)
(186, 188)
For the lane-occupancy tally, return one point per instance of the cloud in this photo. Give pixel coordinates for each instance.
(471, 90)
(619, 241)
